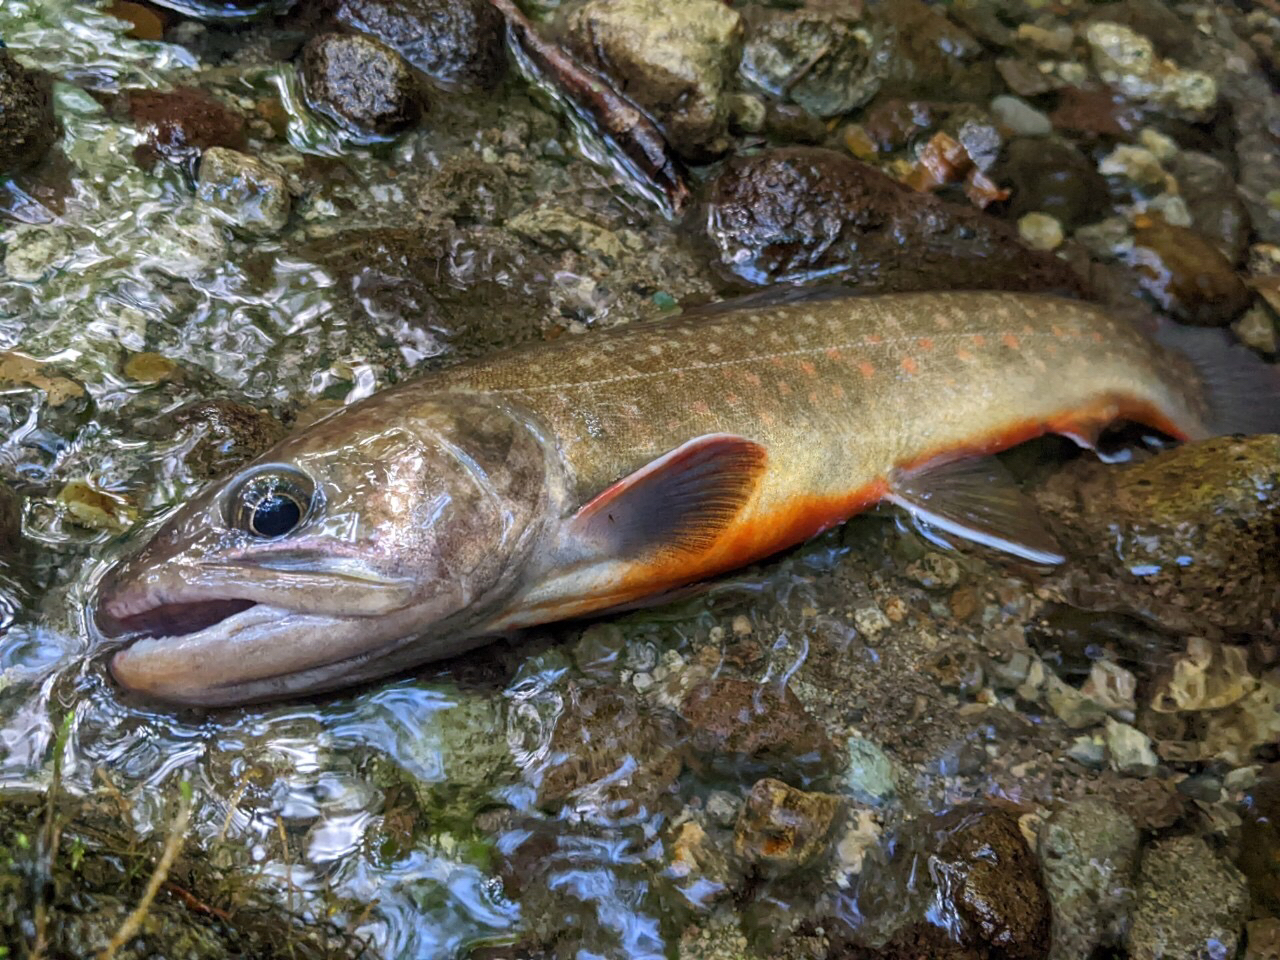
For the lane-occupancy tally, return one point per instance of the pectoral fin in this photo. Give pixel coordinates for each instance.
(978, 500)
(679, 503)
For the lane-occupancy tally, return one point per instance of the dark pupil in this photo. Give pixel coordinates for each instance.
(275, 515)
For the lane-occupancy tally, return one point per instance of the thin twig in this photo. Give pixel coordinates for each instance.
(172, 845)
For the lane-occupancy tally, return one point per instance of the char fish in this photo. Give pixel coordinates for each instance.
(570, 478)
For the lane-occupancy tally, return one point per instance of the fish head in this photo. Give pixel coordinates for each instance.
(368, 542)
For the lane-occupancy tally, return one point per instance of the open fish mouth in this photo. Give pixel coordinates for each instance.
(171, 619)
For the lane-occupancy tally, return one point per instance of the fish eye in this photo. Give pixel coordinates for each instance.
(271, 503)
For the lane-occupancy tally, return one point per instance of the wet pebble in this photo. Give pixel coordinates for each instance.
(1189, 903)
(798, 213)
(934, 571)
(454, 42)
(10, 525)
(243, 191)
(28, 127)
(1259, 857)
(1021, 119)
(1040, 231)
(181, 124)
(1215, 206)
(1127, 60)
(1186, 274)
(782, 828)
(1130, 749)
(1263, 939)
(1051, 176)
(1180, 539)
(226, 434)
(361, 83)
(824, 59)
(931, 56)
(1088, 851)
(674, 59)
(734, 722)
(870, 777)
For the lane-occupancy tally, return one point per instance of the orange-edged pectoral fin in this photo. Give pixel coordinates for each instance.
(678, 504)
(976, 499)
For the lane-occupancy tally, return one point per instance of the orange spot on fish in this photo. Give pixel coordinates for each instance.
(874, 338)
(926, 343)
(752, 378)
(809, 369)
(979, 341)
(833, 353)
(909, 364)
(1010, 341)
(732, 398)
(784, 389)
(1058, 331)
(700, 408)
(867, 369)
(964, 355)
(766, 418)
(1096, 336)
(837, 391)
(813, 398)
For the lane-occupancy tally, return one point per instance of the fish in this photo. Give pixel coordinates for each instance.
(602, 471)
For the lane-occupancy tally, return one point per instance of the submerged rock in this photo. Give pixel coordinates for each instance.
(243, 191)
(1216, 209)
(931, 56)
(1051, 176)
(1259, 856)
(1186, 274)
(675, 60)
(1088, 851)
(826, 60)
(181, 124)
(1183, 539)
(1190, 904)
(784, 828)
(226, 434)
(362, 84)
(28, 127)
(1127, 60)
(454, 42)
(799, 213)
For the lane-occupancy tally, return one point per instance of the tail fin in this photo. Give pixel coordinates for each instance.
(1242, 389)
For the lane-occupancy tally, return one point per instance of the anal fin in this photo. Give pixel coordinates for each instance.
(678, 503)
(975, 499)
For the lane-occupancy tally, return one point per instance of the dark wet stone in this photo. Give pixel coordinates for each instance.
(782, 828)
(797, 214)
(1186, 274)
(454, 42)
(148, 23)
(1088, 851)
(244, 191)
(1097, 112)
(1189, 903)
(229, 434)
(361, 83)
(823, 59)
(10, 524)
(1053, 177)
(1184, 539)
(181, 124)
(931, 56)
(609, 742)
(28, 127)
(675, 60)
(734, 722)
(1216, 209)
(1259, 856)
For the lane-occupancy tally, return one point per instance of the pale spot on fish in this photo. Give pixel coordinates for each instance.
(808, 368)
(752, 378)
(714, 349)
(700, 408)
(964, 355)
(1010, 341)
(925, 343)
(784, 389)
(732, 399)
(655, 349)
(833, 353)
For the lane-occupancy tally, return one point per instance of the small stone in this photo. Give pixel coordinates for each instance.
(1190, 904)
(362, 84)
(1162, 147)
(1127, 60)
(1138, 165)
(1217, 211)
(243, 191)
(28, 127)
(675, 60)
(747, 114)
(181, 124)
(964, 603)
(1186, 274)
(870, 621)
(1263, 939)
(1022, 119)
(33, 251)
(149, 368)
(1106, 239)
(454, 42)
(1130, 749)
(870, 777)
(1088, 850)
(18, 368)
(1057, 41)
(1088, 752)
(733, 721)
(1111, 686)
(91, 506)
(1052, 177)
(1040, 231)
(958, 669)
(784, 828)
(1257, 329)
(722, 807)
(862, 836)
(147, 23)
(741, 626)
(934, 571)
(642, 682)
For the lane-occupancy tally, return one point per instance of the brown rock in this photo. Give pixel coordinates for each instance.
(801, 213)
(28, 127)
(733, 721)
(148, 24)
(180, 124)
(228, 434)
(361, 83)
(932, 57)
(783, 828)
(1186, 274)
